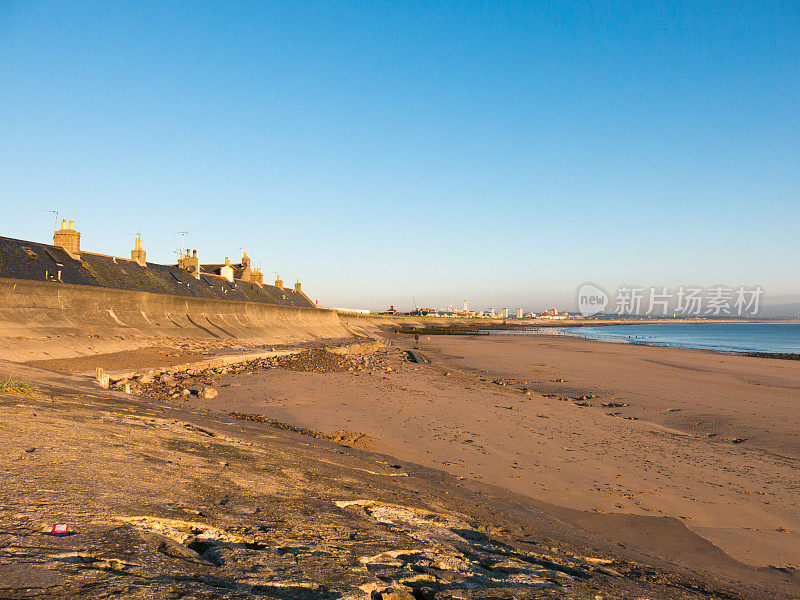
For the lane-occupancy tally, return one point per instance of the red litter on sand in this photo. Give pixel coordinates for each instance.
(60, 529)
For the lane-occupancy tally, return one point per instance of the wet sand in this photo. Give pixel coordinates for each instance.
(707, 439)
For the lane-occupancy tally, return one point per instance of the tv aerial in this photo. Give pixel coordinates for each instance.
(55, 212)
(183, 235)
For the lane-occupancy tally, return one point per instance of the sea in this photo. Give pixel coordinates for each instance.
(771, 338)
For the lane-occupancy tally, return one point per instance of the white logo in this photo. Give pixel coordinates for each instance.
(591, 300)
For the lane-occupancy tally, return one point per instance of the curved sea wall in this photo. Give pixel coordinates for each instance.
(43, 319)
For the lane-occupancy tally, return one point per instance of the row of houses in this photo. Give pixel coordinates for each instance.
(65, 262)
(69, 239)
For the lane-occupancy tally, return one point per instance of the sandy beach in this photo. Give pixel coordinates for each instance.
(649, 472)
(703, 438)
(682, 459)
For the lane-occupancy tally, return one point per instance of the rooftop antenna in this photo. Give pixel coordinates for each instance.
(55, 212)
(183, 235)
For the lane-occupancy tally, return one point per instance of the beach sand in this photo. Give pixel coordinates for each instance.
(172, 500)
(707, 439)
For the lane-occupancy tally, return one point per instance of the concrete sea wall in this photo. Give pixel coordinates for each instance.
(42, 319)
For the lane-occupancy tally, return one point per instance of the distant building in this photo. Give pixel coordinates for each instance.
(505, 313)
(519, 313)
(553, 314)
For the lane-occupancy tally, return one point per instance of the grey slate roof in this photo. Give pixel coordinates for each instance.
(20, 259)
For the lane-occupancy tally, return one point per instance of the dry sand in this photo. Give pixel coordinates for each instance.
(705, 438)
(126, 360)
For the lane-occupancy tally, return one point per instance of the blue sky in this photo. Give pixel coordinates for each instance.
(501, 152)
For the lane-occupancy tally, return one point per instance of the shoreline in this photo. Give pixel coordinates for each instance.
(535, 330)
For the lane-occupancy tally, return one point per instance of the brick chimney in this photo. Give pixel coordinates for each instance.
(190, 263)
(246, 272)
(67, 238)
(138, 253)
(297, 287)
(279, 283)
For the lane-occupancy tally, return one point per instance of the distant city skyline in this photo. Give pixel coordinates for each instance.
(506, 154)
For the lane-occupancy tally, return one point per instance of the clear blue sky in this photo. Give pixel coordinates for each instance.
(500, 152)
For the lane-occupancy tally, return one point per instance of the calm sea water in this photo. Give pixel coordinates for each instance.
(779, 338)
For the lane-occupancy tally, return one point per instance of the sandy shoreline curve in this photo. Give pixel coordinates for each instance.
(641, 445)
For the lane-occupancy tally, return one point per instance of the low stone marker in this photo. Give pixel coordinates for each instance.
(102, 378)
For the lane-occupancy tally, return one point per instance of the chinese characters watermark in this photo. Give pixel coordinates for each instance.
(684, 301)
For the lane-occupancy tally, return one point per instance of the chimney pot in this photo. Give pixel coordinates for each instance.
(67, 238)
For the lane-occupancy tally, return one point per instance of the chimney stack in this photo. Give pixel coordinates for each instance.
(67, 238)
(246, 271)
(297, 287)
(279, 283)
(138, 253)
(190, 263)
